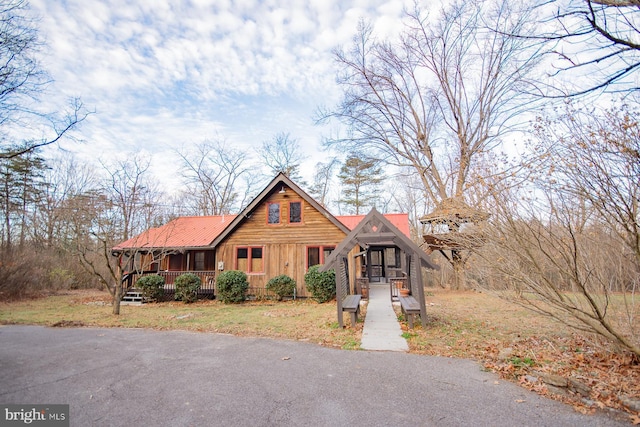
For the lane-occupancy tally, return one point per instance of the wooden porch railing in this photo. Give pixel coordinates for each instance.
(396, 284)
(207, 289)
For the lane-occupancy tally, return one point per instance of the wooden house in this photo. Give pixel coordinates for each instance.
(282, 231)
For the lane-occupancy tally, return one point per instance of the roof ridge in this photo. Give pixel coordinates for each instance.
(205, 216)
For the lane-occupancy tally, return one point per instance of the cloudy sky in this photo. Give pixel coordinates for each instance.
(161, 75)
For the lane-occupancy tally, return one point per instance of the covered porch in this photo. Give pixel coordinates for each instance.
(378, 252)
(383, 265)
(207, 278)
(169, 264)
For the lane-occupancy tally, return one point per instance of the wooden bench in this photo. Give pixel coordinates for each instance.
(351, 304)
(410, 307)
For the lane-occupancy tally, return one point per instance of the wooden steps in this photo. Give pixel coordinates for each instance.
(133, 297)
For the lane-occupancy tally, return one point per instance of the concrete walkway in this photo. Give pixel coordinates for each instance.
(381, 328)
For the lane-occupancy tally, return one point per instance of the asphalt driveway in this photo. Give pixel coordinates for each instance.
(132, 377)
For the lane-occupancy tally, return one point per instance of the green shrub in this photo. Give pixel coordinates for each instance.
(282, 286)
(232, 286)
(321, 285)
(152, 287)
(187, 286)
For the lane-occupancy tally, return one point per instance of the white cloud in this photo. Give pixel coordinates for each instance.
(162, 74)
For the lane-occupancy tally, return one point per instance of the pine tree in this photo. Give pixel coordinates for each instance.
(21, 188)
(360, 176)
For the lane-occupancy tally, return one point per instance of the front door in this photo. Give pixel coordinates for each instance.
(376, 264)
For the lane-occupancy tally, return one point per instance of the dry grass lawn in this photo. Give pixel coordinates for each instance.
(303, 320)
(517, 344)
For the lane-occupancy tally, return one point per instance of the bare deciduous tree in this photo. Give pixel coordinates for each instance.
(64, 180)
(123, 207)
(570, 248)
(407, 195)
(214, 173)
(133, 194)
(322, 178)
(96, 227)
(22, 83)
(595, 45)
(282, 154)
(440, 97)
(595, 157)
(555, 264)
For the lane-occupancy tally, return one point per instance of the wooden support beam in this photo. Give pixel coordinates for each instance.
(339, 298)
(376, 236)
(420, 286)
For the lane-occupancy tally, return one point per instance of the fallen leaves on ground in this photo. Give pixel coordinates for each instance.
(524, 348)
(606, 374)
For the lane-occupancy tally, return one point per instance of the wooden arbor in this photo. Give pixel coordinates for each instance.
(376, 230)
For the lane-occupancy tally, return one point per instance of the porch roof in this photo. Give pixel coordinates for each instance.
(376, 229)
(400, 220)
(182, 232)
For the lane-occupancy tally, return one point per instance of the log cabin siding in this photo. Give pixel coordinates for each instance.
(284, 244)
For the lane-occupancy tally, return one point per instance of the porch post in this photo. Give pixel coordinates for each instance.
(423, 307)
(339, 298)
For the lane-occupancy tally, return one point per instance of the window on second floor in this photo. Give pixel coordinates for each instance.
(273, 213)
(295, 212)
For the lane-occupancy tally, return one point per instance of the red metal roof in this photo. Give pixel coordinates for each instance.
(201, 231)
(185, 231)
(400, 220)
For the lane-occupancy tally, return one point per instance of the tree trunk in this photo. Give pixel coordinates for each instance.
(117, 297)
(117, 292)
(459, 275)
(7, 216)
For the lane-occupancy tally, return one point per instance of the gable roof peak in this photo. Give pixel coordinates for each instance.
(279, 179)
